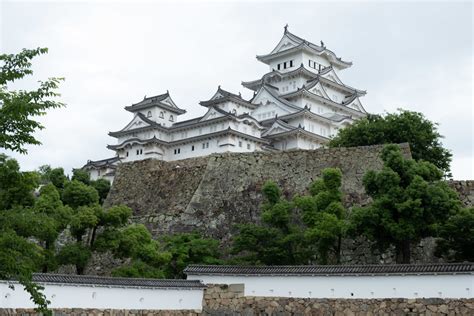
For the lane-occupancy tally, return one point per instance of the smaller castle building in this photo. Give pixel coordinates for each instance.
(299, 104)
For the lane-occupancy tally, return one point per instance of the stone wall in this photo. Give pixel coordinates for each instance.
(465, 189)
(214, 193)
(99, 312)
(230, 300)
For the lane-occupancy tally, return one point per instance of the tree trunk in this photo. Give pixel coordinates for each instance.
(338, 249)
(403, 252)
(93, 236)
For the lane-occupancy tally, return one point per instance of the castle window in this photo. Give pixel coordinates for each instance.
(284, 65)
(291, 63)
(278, 66)
(192, 148)
(138, 152)
(203, 145)
(162, 114)
(207, 145)
(148, 114)
(171, 118)
(240, 143)
(141, 151)
(127, 154)
(248, 146)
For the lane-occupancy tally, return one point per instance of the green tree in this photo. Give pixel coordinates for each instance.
(103, 187)
(189, 248)
(400, 127)
(77, 194)
(278, 240)
(135, 242)
(324, 216)
(55, 176)
(18, 109)
(16, 188)
(76, 254)
(81, 176)
(456, 241)
(85, 223)
(410, 201)
(19, 255)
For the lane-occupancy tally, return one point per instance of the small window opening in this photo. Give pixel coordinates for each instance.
(148, 114)
(162, 114)
(171, 118)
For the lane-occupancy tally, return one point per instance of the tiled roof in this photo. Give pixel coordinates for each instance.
(155, 101)
(109, 281)
(101, 163)
(443, 268)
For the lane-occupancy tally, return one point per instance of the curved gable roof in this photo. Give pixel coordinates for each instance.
(290, 43)
(162, 101)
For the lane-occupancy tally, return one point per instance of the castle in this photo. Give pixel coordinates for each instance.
(299, 104)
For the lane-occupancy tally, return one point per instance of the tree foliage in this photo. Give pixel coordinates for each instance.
(409, 203)
(400, 127)
(324, 216)
(456, 242)
(278, 240)
(77, 194)
(19, 109)
(186, 249)
(20, 256)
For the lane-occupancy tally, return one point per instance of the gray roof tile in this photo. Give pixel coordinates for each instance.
(110, 281)
(443, 268)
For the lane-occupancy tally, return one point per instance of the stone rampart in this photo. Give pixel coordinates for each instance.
(214, 193)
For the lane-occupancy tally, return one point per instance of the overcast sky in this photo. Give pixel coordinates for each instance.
(416, 56)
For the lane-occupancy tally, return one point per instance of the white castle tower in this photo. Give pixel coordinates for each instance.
(299, 104)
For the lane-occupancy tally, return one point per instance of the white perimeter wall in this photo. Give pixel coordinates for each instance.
(408, 286)
(68, 296)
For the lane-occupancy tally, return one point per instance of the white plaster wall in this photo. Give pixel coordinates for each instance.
(297, 58)
(155, 116)
(316, 58)
(68, 296)
(408, 286)
(335, 95)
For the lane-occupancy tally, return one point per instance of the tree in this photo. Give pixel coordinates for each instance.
(19, 255)
(55, 176)
(189, 248)
(81, 176)
(135, 242)
(103, 187)
(16, 188)
(19, 108)
(77, 194)
(278, 240)
(324, 215)
(456, 241)
(400, 127)
(410, 201)
(76, 254)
